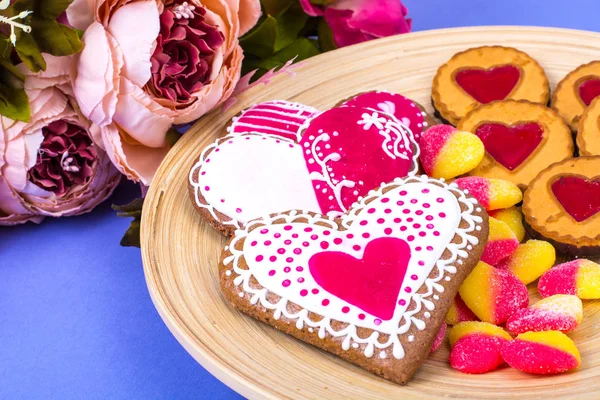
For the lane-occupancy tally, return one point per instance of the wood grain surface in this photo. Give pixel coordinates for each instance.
(181, 252)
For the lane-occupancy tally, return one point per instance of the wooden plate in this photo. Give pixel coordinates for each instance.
(181, 252)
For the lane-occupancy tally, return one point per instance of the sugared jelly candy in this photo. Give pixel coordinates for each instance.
(439, 338)
(493, 294)
(447, 152)
(491, 193)
(578, 277)
(502, 242)
(549, 352)
(530, 260)
(513, 217)
(459, 312)
(561, 312)
(476, 347)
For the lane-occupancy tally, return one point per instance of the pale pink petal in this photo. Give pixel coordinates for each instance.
(249, 12)
(135, 27)
(80, 14)
(136, 162)
(140, 117)
(98, 69)
(56, 73)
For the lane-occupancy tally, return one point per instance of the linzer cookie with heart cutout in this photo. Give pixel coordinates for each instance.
(520, 138)
(588, 130)
(275, 117)
(410, 113)
(484, 74)
(576, 92)
(562, 205)
(372, 286)
(343, 153)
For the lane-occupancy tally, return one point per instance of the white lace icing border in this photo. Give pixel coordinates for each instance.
(445, 268)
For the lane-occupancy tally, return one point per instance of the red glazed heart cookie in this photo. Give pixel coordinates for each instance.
(410, 113)
(520, 139)
(486, 74)
(562, 205)
(372, 286)
(344, 153)
(576, 91)
(276, 117)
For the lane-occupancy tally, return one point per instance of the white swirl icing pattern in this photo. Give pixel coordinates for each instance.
(431, 195)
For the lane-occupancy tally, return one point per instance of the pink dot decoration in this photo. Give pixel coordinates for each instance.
(426, 205)
(429, 226)
(429, 218)
(281, 251)
(371, 210)
(380, 221)
(287, 269)
(377, 321)
(345, 309)
(273, 258)
(385, 200)
(267, 242)
(425, 191)
(387, 210)
(406, 211)
(363, 222)
(361, 316)
(238, 210)
(414, 277)
(286, 283)
(397, 220)
(297, 251)
(403, 228)
(416, 226)
(387, 231)
(287, 241)
(259, 258)
(410, 238)
(299, 269)
(349, 236)
(337, 241)
(356, 247)
(440, 200)
(203, 173)
(300, 280)
(303, 292)
(263, 231)
(326, 233)
(295, 236)
(305, 244)
(272, 272)
(418, 248)
(419, 212)
(315, 291)
(402, 302)
(289, 259)
(413, 201)
(422, 234)
(436, 233)
(308, 229)
(407, 289)
(403, 193)
(421, 263)
(400, 203)
(430, 248)
(287, 227)
(254, 243)
(443, 215)
(277, 235)
(314, 237)
(324, 245)
(325, 302)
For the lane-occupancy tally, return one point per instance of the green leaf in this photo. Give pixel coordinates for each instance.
(274, 7)
(131, 238)
(14, 103)
(322, 2)
(260, 42)
(326, 42)
(51, 9)
(29, 52)
(290, 23)
(54, 38)
(172, 136)
(301, 48)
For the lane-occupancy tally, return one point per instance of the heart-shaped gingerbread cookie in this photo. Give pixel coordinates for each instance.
(342, 154)
(372, 286)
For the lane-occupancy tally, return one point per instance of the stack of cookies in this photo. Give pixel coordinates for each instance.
(353, 228)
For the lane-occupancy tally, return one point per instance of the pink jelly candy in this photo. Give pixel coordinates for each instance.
(502, 242)
(439, 338)
(561, 312)
(459, 312)
(578, 277)
(493, 194)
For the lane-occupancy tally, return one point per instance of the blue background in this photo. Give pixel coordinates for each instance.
(76, 320)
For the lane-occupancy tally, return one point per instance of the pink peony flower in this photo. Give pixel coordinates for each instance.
(148, 64)
(356, 21)
(50, 166)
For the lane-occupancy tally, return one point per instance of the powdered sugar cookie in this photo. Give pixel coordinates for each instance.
(372, 286)
(345, 152)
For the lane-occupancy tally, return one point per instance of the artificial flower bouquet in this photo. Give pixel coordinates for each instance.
(91, 90)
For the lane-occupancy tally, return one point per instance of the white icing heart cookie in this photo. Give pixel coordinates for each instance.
(342, 154)
(372, 286)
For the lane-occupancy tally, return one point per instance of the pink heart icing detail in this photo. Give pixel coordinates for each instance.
(371, 283)
(277, 117)
(351, 150)
(404, 109)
